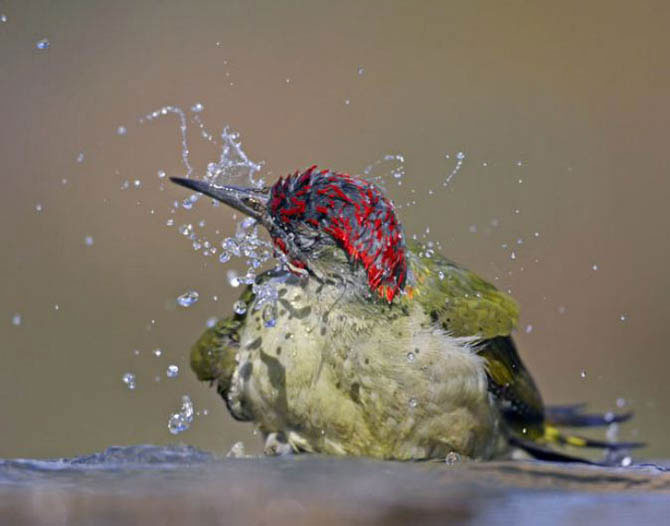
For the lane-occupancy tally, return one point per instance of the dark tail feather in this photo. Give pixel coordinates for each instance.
(572, 416)
(554, 436)
(546, 454)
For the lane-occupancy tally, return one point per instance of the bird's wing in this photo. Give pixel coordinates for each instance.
(464, 305)
(461, 302)
(213, 355)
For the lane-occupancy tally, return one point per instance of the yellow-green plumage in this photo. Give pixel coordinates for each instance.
(344, 376)
(380, 348)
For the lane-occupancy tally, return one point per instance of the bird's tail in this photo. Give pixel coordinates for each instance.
(572, 416)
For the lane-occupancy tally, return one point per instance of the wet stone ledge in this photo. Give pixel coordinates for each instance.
(181, 485)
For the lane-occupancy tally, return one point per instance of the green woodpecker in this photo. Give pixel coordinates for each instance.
(379, 348)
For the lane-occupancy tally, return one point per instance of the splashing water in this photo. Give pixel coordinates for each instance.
(129, 380)
(42, 44)
(234, 166)
(188, 298)
(388, 166)
(181, 421)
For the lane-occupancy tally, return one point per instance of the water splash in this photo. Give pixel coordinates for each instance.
(181, 421)
(389, 166)
(42, 44)
(129, 380)
(188, 298)
(232, 166)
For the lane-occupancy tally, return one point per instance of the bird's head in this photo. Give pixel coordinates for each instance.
(328, 224)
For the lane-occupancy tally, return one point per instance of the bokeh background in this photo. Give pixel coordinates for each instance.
(561, 110)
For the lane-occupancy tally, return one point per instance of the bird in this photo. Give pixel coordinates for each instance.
(380, 346)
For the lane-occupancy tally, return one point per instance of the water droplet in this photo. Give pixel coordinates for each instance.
(197, 107)
(186, 230)
(3, 18)
(440, 275)
(412, 403)
(269, 315)
(172, 371)
(38, 207)
(582, 374)
(80, 157)
(136, 352)
(188, 298)
(224, 257)
(623, 317)
(626, 461)
(410, 357)
(169, 222)
(347, 102)
(129, 380)
(125, 185)
(512, 255)
(137, 183)
(519, 163)
(157, 352)
(233, 279)
(121, 130)
(16, 320)
(562, 309)
(621, 402)
(360, 70)
(182, 420)
(56, 307)
(43, 44)
(211, 322)
(237, 451)
(88, 240)
(453, 458)
(529, 329)
(460, 156)
(161, 174)
(595, 267)
(240, 307)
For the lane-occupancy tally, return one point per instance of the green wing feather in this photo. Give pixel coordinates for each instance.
(460, 301)
(464, 305)
(213, 355)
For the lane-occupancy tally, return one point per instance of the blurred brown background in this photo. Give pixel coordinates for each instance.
(577, 92)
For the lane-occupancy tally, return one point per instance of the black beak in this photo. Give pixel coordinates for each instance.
(249, 201)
